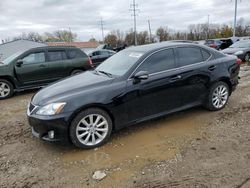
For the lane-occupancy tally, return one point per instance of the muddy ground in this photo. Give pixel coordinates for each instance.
(194, 148)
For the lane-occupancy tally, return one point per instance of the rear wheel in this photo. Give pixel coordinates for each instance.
(218, 96)
(6, 89)
(91, 128)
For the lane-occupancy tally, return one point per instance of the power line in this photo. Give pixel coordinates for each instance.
(134, 9)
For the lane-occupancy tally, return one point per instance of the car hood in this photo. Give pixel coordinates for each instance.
(74, 85)
(233, 50)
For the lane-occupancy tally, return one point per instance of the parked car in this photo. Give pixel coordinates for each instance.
(105, 47)
(98, 56)
(134, 85)
(241, 49)
(38, 67)
(213, 43)
(219, 44)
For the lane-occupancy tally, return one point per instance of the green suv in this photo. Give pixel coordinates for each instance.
(38, 67)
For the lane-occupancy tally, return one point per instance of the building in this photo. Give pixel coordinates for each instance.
(9, 48)
(85, 46)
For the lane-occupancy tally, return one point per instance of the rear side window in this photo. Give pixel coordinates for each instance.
(206, 55)
(58, 55)
(189, 56)
(74, 54)
(32, 58)
(159, 61)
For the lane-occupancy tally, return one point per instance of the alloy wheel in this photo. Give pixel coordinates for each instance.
(92, 129)
(220, 96)
(4, 89)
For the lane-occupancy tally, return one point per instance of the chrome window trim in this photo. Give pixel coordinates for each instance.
(177, 68)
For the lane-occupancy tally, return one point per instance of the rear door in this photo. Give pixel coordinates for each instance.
(58, 63)
(195, 73)
(160, 92)
(34, 68)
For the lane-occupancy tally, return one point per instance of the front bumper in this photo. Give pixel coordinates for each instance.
(41, 126)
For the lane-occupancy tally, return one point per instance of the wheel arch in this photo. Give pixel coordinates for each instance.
(100, 106)
(10, 79)
(227, 81)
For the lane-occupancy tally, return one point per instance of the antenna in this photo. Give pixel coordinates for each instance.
(134, 9)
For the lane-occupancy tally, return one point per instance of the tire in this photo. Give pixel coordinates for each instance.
(75, 72)
(87, 135)
(6, 89)
(218, 96)
(247, 57)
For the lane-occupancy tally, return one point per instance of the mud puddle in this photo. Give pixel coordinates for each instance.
(133, 148)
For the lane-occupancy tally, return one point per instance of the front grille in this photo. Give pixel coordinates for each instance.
(31, 107)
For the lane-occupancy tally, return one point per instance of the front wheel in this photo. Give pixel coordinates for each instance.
(6, 89)
(91, 128)
(218, 96)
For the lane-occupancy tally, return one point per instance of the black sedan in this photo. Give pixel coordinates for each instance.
(134, 85)
(99, 55)
(241, 49)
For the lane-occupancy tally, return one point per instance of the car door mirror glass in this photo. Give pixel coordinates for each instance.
(19, 63)
(141, 75)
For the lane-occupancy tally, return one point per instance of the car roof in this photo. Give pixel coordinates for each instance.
(54, 47)
(156, 46)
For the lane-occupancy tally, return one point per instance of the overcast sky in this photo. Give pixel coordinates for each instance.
(83, 16)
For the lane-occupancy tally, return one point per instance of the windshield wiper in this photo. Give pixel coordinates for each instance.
(106, 73)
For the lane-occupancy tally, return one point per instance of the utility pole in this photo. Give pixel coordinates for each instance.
(150, 32)
(208, 26)
(102, 30)
(134, 9)
(71, 36)
(235, 17)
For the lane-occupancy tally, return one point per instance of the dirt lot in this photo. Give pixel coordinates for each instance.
(194, 148)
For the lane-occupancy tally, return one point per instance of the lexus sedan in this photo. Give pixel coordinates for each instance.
(135, 85)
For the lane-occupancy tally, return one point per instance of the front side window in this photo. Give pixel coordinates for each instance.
(57, 55)
(32, 58)
(189, 56)
(159, 61)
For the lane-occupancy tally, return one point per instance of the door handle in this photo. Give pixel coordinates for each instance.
(42, 66)
(211, 68)
(175, 78)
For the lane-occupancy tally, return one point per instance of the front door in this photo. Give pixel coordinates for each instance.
(158, 94)
(34, 68)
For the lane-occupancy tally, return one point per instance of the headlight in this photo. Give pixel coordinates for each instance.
(239, 53)
(51, 109)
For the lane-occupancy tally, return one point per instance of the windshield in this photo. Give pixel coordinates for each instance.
(12, 57)
(241, 44)
(119, 63)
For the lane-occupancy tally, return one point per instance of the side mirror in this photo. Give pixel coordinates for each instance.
(19, 63)
(141, 75)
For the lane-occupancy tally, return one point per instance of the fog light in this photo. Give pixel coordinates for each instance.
(51, 134)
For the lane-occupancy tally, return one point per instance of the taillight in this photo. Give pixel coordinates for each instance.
(90, 62)
(213, 45)
(238, 61)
